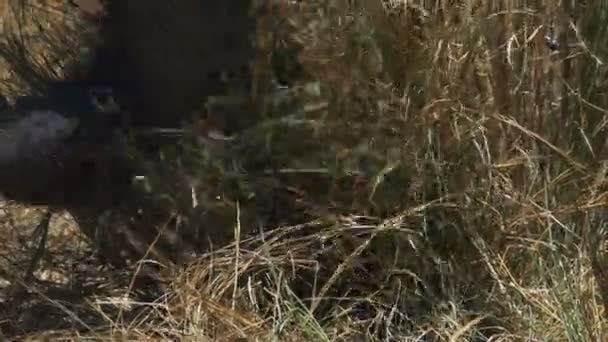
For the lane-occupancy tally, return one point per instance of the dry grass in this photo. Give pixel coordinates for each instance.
(451, 167)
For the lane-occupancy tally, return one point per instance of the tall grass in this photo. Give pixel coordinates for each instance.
(459, 191)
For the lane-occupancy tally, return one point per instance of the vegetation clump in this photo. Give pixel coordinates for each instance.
(400, 171)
